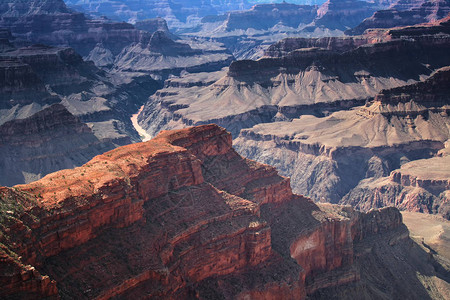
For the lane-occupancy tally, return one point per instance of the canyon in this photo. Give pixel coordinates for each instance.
(102, 40)
(296, 77)
(381, 154)
(248, 33)
(331, 118)
(215, 225)
(245, 30)
(34, 81)
(291, 150)
(108, 72)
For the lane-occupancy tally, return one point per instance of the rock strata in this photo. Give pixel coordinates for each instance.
(179, 14)
(49, 140)
(405, 13)
(386, 153)
(107, 43)
(335, 74)
(248, 33)
(35, 77)
(180, 216)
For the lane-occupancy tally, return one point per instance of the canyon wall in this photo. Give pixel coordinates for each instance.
(37, 77)
(348, 156)
(294, 80)
(404, 13)
(183, 216)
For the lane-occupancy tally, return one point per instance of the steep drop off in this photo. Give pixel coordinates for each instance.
(107, 43)
(248, 33)
(345, 156)
(35, 77)
(338, 74)
(405, 13)
(184, 216)
(50, 140)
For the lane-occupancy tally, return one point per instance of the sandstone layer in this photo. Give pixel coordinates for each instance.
(404, 13)
(35, 77)
(49, 140)
(348, 156)
(248, 33)
(342, 73)
(184, 216)
(107, 43)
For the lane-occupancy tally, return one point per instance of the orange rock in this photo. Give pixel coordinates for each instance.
(168, 218)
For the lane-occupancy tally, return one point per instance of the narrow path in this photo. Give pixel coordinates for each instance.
(142, 133)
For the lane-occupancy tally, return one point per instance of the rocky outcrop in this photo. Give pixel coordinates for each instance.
(162, 44)
(50, 140)
(265, 16)
(153, 25)
(163, 57)
(344, 14)
(24, 281)
(337, 44)
(38, 76)
(19, 85)
(441, 26)
(433, 91)
(180, 216)
(405, 13)
(64, 69)
(418, 186)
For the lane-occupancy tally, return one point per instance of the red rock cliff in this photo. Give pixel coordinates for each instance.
(180, 216)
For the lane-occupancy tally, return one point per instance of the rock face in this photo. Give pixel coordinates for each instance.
(50, 22)
(35, 77)
(346, 157)
(405, 13)
(48, 141)
(179, 14)
(184, 216)
(163, 57)
(110, 45)
(441, 26)
(152, 25)
(337, 44)
(344, 14)
(296, 81)
(421, 185)
(248, 33)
